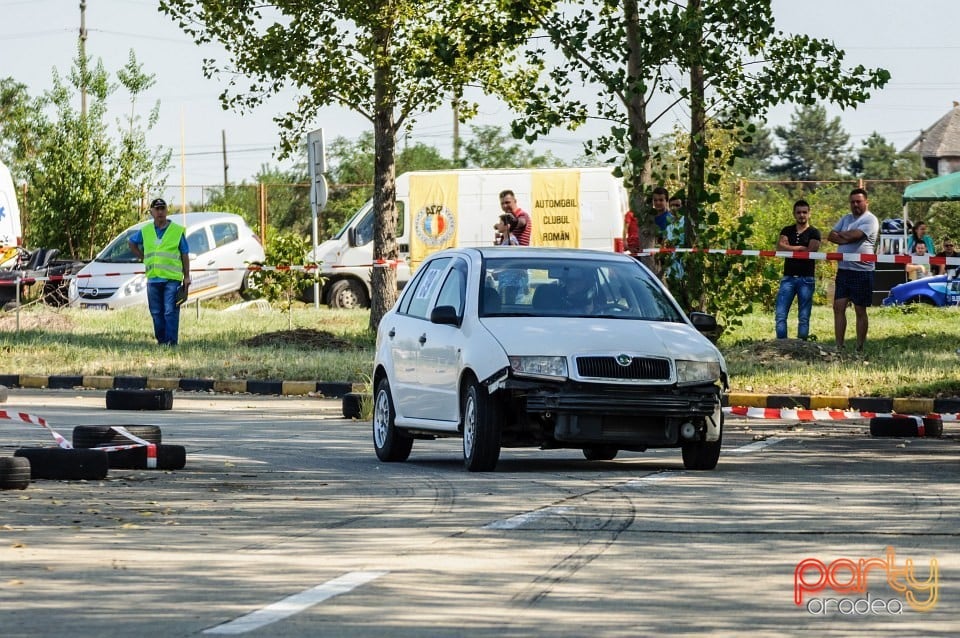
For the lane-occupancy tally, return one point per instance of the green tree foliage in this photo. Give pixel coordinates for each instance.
(86, 181)
(283, 286)
(388, 61)
(22, 124)
(491, 147)
(287, 195)
(757, 151)
(814, 148)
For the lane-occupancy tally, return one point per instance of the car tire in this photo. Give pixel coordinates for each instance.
(14, 473)
(58, 464)
(347, 294)
(390, 443)
(169, 457)
(248, 291)
(600, 452)
(352, 405)
(139, 399)
(481, 417)
(888, 426)
(702, 455)
(89, 436)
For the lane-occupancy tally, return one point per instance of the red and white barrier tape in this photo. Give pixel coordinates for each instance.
(65, 444)
(859, 257)
(825, 415)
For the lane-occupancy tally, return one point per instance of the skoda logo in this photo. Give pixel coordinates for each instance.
(624, 359)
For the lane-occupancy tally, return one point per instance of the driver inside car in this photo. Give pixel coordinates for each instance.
(579, 293)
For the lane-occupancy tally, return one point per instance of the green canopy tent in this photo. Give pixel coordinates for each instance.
(943, 188)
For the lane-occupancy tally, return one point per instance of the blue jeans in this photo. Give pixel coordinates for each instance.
(802, 289)
(162, 298)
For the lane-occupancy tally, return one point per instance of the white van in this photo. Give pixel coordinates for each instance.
(568, 207)
(10, 232)
(115, 278)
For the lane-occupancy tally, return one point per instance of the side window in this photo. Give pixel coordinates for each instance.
(454, 290)
(198, 242)
(425, 286)
(224, 233)
(364, 234)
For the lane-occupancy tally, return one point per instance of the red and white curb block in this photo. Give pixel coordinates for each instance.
(66, 445)
(826, 415)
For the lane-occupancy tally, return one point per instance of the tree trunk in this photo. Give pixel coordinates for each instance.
(383, 279)
(636, 105)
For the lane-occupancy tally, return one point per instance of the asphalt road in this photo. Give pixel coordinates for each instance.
(283, 523)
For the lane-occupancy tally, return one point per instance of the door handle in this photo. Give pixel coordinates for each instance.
(423, 338)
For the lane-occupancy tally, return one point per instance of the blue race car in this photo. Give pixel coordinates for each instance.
(939, 290)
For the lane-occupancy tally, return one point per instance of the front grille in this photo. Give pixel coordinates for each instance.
(608, 368)
(96, 293)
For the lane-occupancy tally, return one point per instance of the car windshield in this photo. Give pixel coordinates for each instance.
(538, 287)
(118, 251)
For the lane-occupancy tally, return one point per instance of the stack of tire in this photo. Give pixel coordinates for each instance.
(906, 426)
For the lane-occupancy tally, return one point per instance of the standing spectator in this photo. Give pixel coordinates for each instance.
(676, 205)
(948, 251)
(163, 248)
(919, 234)
(855, 233)
(508, 203)
(662, 217)
(631, 233)
(798, 274)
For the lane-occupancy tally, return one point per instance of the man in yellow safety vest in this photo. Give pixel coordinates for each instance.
(163, 248)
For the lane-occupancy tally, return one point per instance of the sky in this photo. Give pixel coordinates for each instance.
(916, 41)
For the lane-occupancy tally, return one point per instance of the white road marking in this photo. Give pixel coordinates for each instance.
(295, 604)
(522, 519)
(756, 445)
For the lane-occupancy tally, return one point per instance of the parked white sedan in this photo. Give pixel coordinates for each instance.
(549, 348)
(221, 248)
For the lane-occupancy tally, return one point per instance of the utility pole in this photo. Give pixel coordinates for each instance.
(456, 129)
(83, 59)
(226, 182)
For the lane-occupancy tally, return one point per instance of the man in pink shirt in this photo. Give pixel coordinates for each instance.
(508, 203)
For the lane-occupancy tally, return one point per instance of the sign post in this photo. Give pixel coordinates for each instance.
(316, 158)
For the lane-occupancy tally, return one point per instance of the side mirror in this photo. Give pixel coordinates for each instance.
(707, 325)
(352, 236)
(445, 315)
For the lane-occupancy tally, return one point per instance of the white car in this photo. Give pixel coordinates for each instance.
(221, 243)
(550, 348)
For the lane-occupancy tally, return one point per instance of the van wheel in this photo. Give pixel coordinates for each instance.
(14, 473)
(347, 294)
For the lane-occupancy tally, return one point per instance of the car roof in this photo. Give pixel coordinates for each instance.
(195, 219)
(487, 252)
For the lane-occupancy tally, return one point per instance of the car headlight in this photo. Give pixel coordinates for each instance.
(537, 366)
(697, 371)
(135, 286)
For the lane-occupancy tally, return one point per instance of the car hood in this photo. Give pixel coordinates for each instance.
(98, 274)
(566, 336)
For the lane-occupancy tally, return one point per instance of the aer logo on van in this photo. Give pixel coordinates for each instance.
(434, 224)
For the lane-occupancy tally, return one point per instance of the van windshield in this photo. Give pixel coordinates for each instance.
(118, 251)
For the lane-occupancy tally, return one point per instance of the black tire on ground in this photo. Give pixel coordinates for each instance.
(169, 457)
(87, 436)
(348, 294)
(352, 405)
(888, 426)
(481, 416)
(14, 473)
(65, 465)
(10, 306)
(600, 452)
(390, 444)
(703, 455)
(139, 399)
(248, 288)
